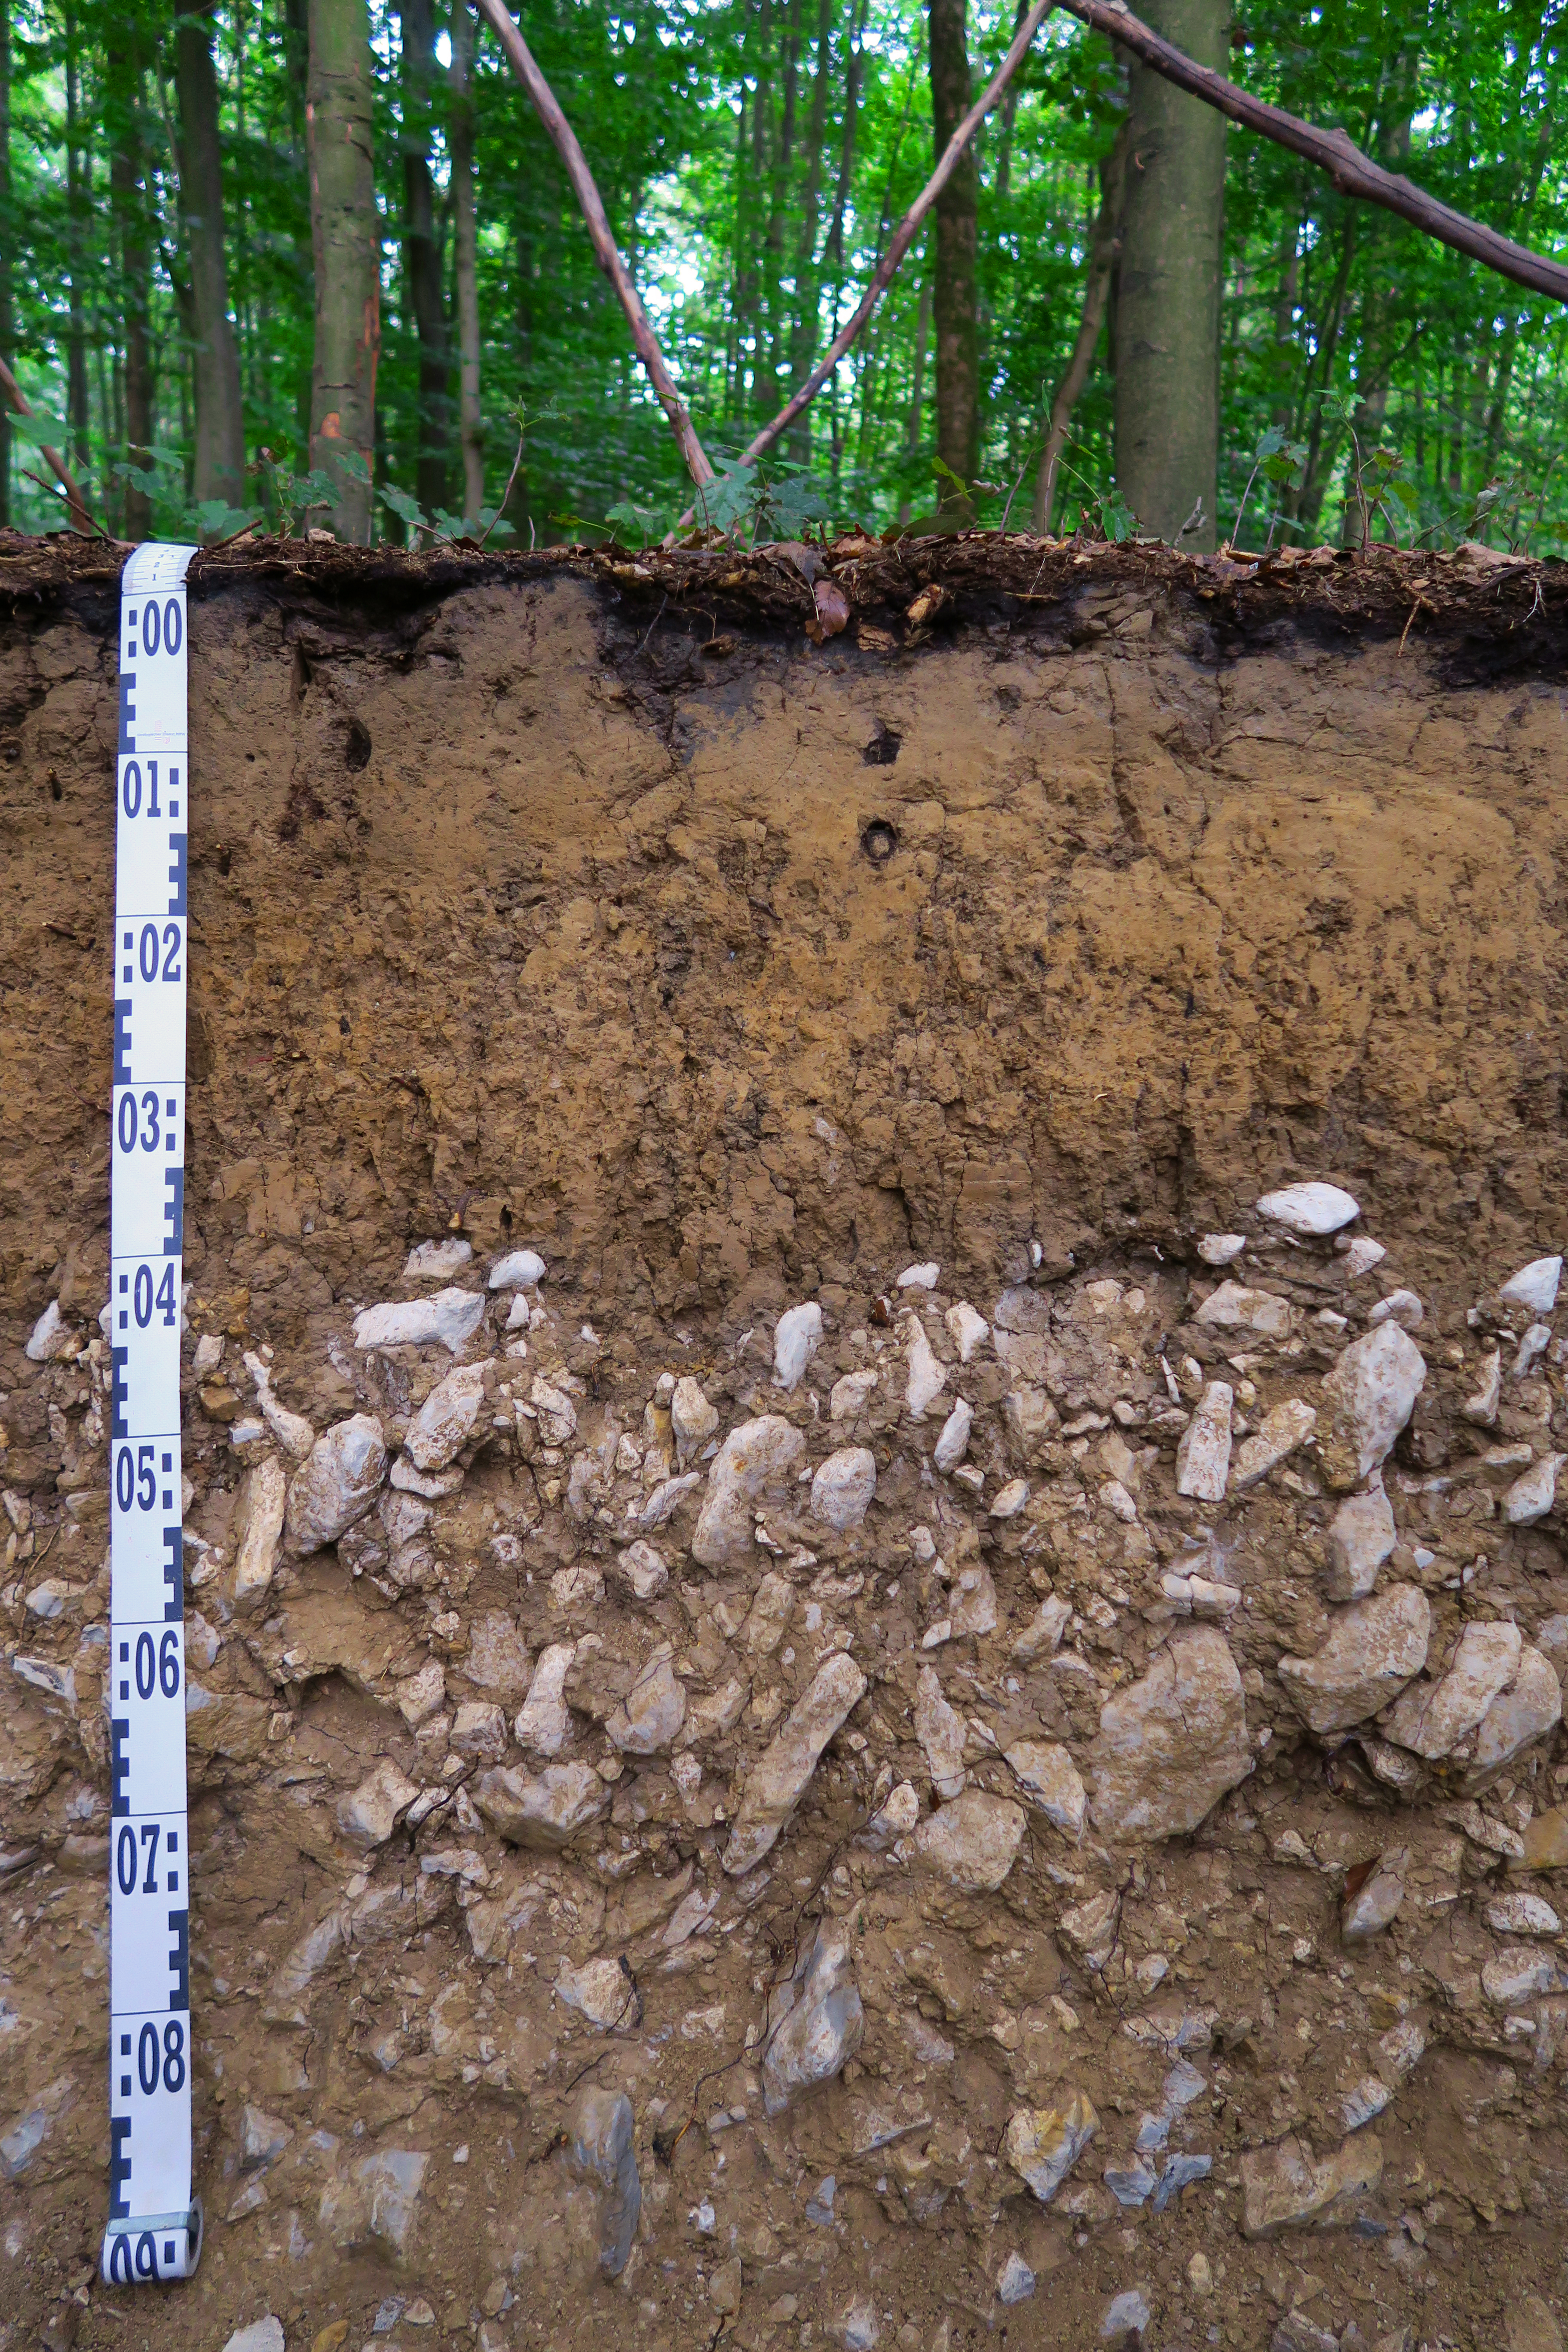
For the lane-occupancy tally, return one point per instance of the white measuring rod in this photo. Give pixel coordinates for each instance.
(154, 2227)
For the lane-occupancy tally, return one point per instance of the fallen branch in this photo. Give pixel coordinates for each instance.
(75, 503)
(564, 139)
(904, 235)
(1353, 173)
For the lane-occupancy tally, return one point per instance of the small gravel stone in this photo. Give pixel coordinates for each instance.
(1313, 1208)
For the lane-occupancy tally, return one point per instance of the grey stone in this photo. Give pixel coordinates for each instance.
(258, 1530)
(1432, 1718)
(521, 1269)
(367, 1815)
(1368, 1397)
(603, 2151)
(780, 1773)
(479, 1731)
(261, 2335)
(1524, 1713)
(1014, 2281)
(825, 2022)
(1277, 1435)
(447, 1418)
(338, 1484)
(1234, 1307)
(1373, 1648)
(1203, 1456)
(940, 1732)
(1180, 2172)
(1314, 1209)
(1285, 2187)
(1532, 1495)
(1376, 1903)
(1043, 2144)
(1534, 1287)
(796, 1337)
(448, 1319)
(1362, 1534)
(543, 1811)
(1171, 1745)
(652, 1711)
(691, 1416)
(756, 1462)
(262, 2137)
(1048, 1779)
(643, 1569)
(953, 1442)
(543, 1720)
(842, 1490)
(1126, 2314)
(974, 1842)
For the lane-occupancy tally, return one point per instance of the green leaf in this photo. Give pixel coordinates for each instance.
(407, 508)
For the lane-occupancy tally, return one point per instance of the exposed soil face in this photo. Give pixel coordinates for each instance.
(890, 1849)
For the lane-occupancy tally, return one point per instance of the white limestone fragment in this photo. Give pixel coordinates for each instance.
(208, 1355)
(1314, 1209)
(479, 1731)
(967, 1329)
(796, 1338)
(1281, 1431)
(1010, 1499)
(652, 1711)
(691, 1416)
(1234, 1307)
(368, 1815)
(338, 1484)
(1400, 1307)
(292, 1431)
(824, 2023)
(1219, 1249)
(1524, 1713)
(778, 1779)
(755, 1461)
(1043, 2144)
(842, 1490)
(434, 1261)
(1362, 1534)
(1531, 1497)
(852, 1394)
(643, 1569)
(953, 1442)
(1532, 1348)
(1400, 2050)
(419, 1696)
(1044, 1631)
(1172, 1744)
(1432, 1718)
(543, 1811)
(1362, 1255)
(1522, 1915)
(1534, 1287)
(447, 1418)
(1048, 1779)
(899, 1813)
(1203, 1456)
(1119, 1502)
(1368, 1397)
(543, 1719)
(556, 1414)
(521, 1269)
(939, 1727)
(449, 1319)
(258, 1530)
(1373, 1648)
(51, 1337)
(665, 1499)
(919, 1277)
(603, 1992)
(926, 1376)
(972, 1842)
(1517, 1974)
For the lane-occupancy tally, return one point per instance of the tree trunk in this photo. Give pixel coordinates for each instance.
(1168, 287)
(123, 74)
(220, 415)
(77, 211)
(7, 317)
(422, 258)
(957, 226)
(345, 242)
(1104, 246)
(466, 258)
(807, 291)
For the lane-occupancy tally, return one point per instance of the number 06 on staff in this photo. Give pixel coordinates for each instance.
(155, 2229)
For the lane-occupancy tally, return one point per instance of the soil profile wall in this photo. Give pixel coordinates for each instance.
(1030, 937)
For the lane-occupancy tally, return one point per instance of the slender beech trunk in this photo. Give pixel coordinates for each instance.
(78, 171)
(465, 241)
(1168, 287)
(220, 415)
(1104, 246)
(127, 167)
(957, 228)
(422, 256)
(7, 317)
(345, 241)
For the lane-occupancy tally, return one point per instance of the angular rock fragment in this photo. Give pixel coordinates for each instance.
(1171, 1745)
(1014, 2281)
(604, 1992)
(779, 1776)
(1534, 1287)
(652, 1711)
(602, 2150)
(1482, 1408)
(419, 1696)
(447, 1419)
(692, 1417)
(940, 1732)
(448, 1319)
(973, 1610)
(1373, 1648)
(1203, 1456)
(1522, 1915)
(368, 1815)
(796, 1338)
(1524, 1713)
(498, 1655)
(1044, 1631)
(974, 1842)
(1532, 1495)
(1400, 1307)
(824, 2022)
(1313, 1208)
(843, 1487)
(338, 1484)
(555, 1412)
(1048, 1778)
(1368, 1397)
(1219, 1249)
(257, 1529)
(1432, 1718)
(292, 1431)
(967, 1330)
(1362, 1534)
(850, 1396)
(1089, 1928)
(1043, 2144)
(643, 1569)
(926, 1375)
(1517, 1974)
(1234, 1307)
(1376, 1903)
(519, 1269)
(1273, 1441)
(754, 1462)
(543, 1811)
(953, 1442)
(1285, 2187)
